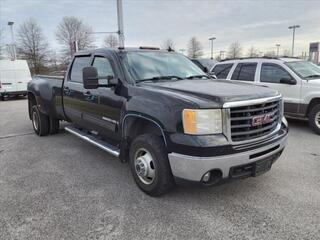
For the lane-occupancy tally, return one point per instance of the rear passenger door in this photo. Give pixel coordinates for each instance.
(74, 98)
(270, 75)
(245, 72)
(222, 70)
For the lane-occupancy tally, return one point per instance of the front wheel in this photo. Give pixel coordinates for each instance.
(314, 119)
(150, 165)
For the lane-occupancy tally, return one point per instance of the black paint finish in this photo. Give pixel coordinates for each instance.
(104, 109)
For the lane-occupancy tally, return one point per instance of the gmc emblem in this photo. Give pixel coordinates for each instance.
(262, 119)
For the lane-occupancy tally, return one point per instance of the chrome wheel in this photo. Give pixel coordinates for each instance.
(317, 119)
(144, 166)
(35, 121)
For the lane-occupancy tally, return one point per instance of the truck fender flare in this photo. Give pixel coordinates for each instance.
(146, 118)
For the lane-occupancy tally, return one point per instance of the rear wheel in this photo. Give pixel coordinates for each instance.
(54, 125)
(2, 98)
(150, 165)
(40, 122)
(314, 119)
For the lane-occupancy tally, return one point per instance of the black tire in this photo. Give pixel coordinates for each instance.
(40, 122)
(54, 125)
(314, 119)
(2, 98)
(163, 179)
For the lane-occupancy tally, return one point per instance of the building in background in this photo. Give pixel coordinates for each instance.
(314, 52)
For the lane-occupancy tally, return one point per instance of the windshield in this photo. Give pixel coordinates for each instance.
(304, 69)
(154, 65)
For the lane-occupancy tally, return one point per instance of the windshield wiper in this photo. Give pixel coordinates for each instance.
(313, 76)
(197, 76)
(160, 78)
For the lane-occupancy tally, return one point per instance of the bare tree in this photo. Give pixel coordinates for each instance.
(72, 29)
(253, 52)
(168, 44)
(235, 50)
(194, 48)
(32, 45)
(1, 44)
(111, 41)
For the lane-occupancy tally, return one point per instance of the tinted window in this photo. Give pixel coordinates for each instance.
(78, 64)
(198, 64)
(222, 70)
(272, 73)
(104, 69)
(244, 72)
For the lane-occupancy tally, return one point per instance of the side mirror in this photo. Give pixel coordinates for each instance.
(90, 78)
(212, 74)
(289, 81)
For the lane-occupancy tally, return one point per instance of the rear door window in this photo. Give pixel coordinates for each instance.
(273, 73)
(244, 72)
(222, 70)
(78, 64)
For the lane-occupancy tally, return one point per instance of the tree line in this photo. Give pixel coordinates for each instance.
(33, 46)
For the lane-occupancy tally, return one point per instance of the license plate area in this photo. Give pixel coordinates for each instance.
(253, 169)
(262, 166)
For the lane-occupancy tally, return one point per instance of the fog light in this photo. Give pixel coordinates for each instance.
(206, 177)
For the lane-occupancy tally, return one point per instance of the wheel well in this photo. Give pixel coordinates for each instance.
(314, 102)
(31, 101)
(135, 126)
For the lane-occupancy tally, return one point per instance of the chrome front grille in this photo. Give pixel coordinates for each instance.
(254, 120)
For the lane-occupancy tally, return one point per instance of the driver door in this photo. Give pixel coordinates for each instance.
(270, 76)
(103, 105)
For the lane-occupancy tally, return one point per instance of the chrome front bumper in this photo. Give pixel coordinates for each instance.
(193, 168)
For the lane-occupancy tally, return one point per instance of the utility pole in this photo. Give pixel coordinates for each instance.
(10, 24)
(293, 35)
(278, 46)
(211, 39)
(120, 23)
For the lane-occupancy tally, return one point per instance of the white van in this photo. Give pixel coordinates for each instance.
(14, 77)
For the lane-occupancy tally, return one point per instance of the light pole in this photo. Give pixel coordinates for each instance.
(120, 23)
(293, 27)
(120, 31)
(211, 39)
(10, 24)
(278, 46)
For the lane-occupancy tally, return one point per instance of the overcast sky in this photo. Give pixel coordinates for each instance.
(149, 22)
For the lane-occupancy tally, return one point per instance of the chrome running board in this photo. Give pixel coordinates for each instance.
(93, 140)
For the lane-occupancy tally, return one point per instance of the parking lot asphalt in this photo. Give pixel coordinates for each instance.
(60, 187)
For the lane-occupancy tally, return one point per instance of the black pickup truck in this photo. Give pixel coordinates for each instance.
(158, 111)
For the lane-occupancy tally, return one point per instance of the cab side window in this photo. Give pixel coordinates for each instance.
(244, 72)
(222, 70)
(273, 73)
(104, 69)
(76, 71)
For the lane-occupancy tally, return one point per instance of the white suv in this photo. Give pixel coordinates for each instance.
(297, 80)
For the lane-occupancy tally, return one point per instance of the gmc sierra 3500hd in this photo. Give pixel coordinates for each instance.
(161, 113)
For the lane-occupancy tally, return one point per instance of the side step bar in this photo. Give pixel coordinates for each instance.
(93, 140)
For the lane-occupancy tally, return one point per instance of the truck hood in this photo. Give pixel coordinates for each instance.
(211, 91)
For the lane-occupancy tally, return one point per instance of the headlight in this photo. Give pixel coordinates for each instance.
(202, 121)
